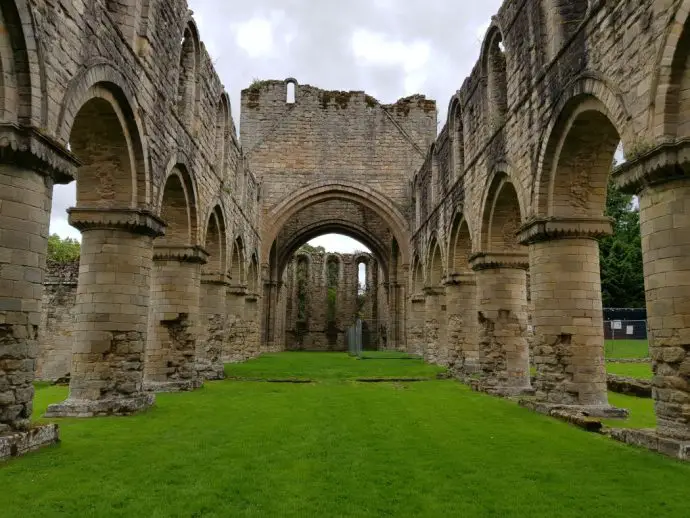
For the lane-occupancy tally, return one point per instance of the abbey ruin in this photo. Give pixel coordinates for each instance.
(189, 233)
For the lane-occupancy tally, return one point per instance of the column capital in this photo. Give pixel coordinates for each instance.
(551, 228)
(665, 162)
(496, 260)
(418, 297)
(134, 220)
(251, 297)
(183, 254)
(433, 290)
(238, 289)
(215, 278)
(460, 279)
(32, 149)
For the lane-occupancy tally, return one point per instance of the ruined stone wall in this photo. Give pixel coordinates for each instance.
(316, 329)
(57, 321)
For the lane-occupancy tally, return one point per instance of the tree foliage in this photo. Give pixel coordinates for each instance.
(63, 250)
(312, 249)
(622, 278)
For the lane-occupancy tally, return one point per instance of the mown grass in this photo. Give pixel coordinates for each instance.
(641, 412)
(631, 370)
(332, 366)
(626, 349)
(336, 448)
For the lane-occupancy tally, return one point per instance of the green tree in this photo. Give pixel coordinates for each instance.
(622, 278)
(312, 249)
(63, 250)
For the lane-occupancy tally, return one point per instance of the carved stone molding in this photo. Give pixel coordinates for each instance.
(240, 290)
(666, 162)
(460, 279)
(430, 291)
(183, 254)
(252, 297)
(134, 220)
(215, 278)
(418, 297)
(495, 260)
(548, 229)
(29, 148)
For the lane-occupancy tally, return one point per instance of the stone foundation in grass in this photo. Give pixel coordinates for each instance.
(102, 407)
(629, 386)
(651, 440)
(16, 444)
(585, 417)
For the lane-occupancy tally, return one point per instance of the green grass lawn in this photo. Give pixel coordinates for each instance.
(631, 370)
(627, 349)
(336, 448)
(641, 412)
(332, 366)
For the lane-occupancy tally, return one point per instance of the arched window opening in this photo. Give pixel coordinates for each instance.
(302, 282)
(187, 93)
(458, 141)
(237, 264)
(496, 69)
(332, 280)
(291, 92)
(222, 127)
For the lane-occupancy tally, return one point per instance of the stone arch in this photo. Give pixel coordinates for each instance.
(459, 246)
(577, 160)
(435, 267)
(215, 242)
(237, 264)
(457, 137)
(178, 208)
(21, 73)
(99, 103)
(222, 133)
(291, 87)
(670, 91)
(188, 91)
(501, 216)
(328, 226)
(495, 69)
(562, 19)
(342, 190)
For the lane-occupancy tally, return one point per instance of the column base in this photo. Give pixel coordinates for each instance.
(16, 444)
(213, 374)
(173, 385)
(481, 385)
(599, 411)
(651, 440)
(118, 406)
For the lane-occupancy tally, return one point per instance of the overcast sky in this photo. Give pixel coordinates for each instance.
(389, 48)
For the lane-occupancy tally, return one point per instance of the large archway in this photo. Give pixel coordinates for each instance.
(352, 210)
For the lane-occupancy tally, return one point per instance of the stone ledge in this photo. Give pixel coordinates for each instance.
(665, 162)
(137, 221)
(183, 254)
(651, 440)
(173, 385)
(480, 385)
(629, 386)
(547, 229)
(100, 408)
(19, 443)
(496, 260)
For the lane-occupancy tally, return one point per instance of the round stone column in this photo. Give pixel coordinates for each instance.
(111, 313)
(436, 346)
(568, 318)
(251, 318)
(213, 321)
(502, 322)
(461, 303)
(174, 319)
(25, 199)
(234, 349)
(660, 179)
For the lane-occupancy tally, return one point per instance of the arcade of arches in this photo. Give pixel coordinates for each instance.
(483, 236)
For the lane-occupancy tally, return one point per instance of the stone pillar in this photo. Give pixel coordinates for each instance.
(568, 319)
(436, 350)
(174, 319)
(111, 313)
(502, 322)
(29, 165)
(234, 349)
(415, 333)
(660, 179)
(209, 354)
(461, 301)
(251, 316)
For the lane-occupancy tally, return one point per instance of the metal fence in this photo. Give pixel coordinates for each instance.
(625, 330)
